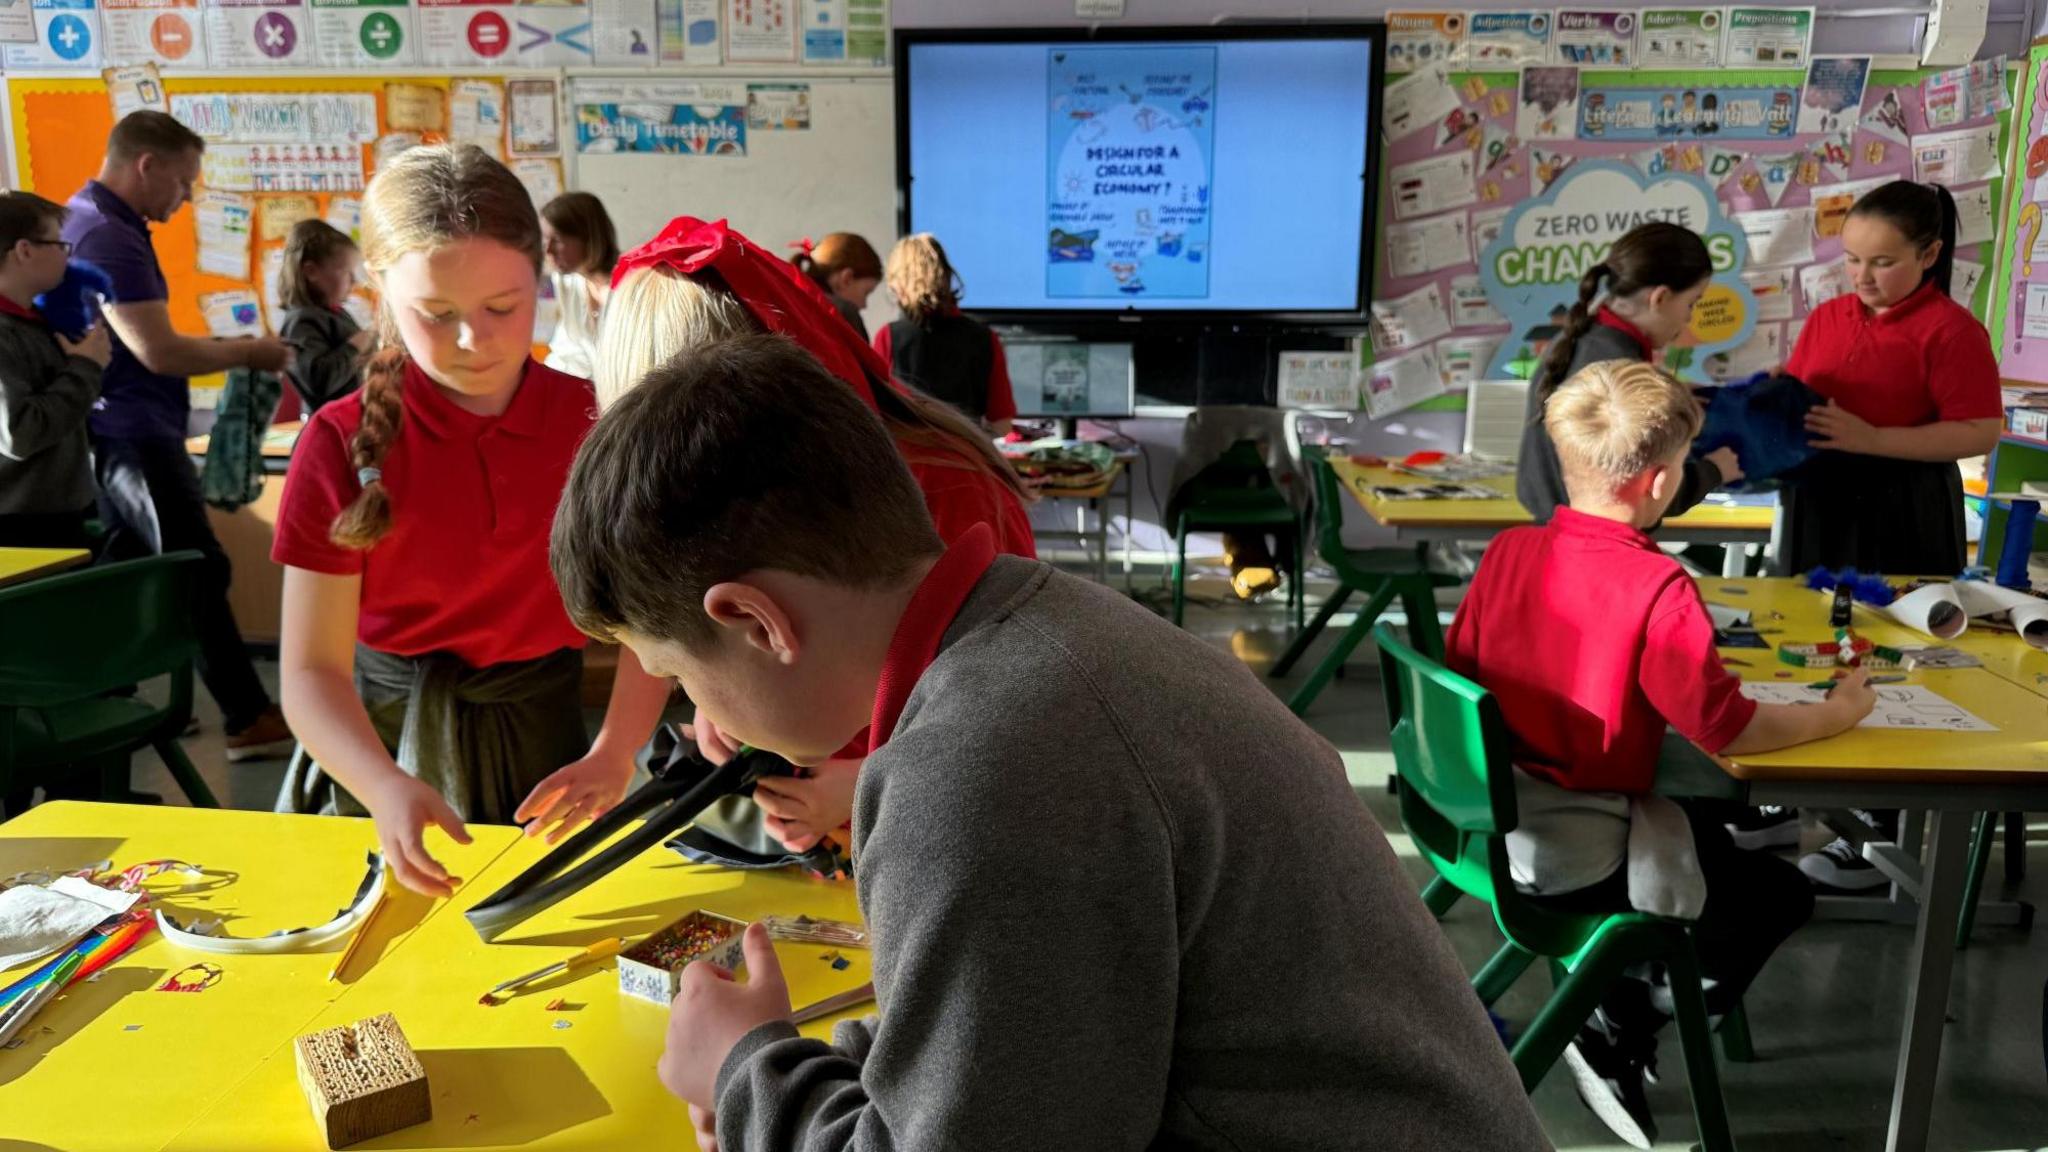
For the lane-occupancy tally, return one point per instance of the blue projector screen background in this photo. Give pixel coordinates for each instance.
(1212, 176)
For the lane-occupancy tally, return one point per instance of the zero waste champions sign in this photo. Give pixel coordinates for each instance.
(1531, 271)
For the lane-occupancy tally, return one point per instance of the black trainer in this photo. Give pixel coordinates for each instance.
(1841, 864)
(1771, 826)
(1610, 1083)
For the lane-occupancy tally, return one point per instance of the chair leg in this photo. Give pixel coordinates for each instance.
(1180, 571)
(1440, 896)
(1578, 993)
(1346, 644)
(1694, 1038)
(1425, 634)
(1501, 972)
(2015, 847)
(1300, 577)
(1737, 1046)
(187, 776)
(1313, 629)
(1973, 883)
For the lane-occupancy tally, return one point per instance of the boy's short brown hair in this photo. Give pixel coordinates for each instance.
(730, 458)
(1615, 420)
(23, 216)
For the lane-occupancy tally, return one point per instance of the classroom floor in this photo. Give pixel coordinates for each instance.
(1826, 1013)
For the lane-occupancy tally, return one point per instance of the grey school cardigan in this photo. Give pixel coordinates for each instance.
(1122, 899)
(1539, 481)
(45, 397)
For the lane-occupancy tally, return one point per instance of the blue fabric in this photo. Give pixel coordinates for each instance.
(135, 403)
(1763, 419)
(73, 305)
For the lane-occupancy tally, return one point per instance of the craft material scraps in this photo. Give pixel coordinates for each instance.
(193, 978)
(204, 936)
(807, 930)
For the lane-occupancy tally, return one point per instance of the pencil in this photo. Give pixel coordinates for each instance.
(362, 930)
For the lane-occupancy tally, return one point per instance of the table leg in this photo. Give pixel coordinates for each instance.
(1934, 953)
(1130, 527)
(1735, 561)
(1101, 510)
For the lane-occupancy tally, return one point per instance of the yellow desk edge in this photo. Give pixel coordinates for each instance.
(1506, 512)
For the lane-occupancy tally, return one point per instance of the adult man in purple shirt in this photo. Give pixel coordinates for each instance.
(149, 490)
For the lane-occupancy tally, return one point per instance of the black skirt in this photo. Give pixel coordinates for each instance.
(1874, 514)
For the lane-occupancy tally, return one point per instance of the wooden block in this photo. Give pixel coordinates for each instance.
(362, 1080)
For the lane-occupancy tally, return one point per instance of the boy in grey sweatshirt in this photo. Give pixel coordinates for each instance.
(1120, 898)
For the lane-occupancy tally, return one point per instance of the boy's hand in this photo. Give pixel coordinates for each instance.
(1724, 458)
(585, 790)
(713, 744)
(705, 1121)
(1854, 696)
(94, 345)
(801, 811)
(712, 1012)
(403, 808)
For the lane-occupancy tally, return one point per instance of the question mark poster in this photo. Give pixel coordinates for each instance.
(2023, 314)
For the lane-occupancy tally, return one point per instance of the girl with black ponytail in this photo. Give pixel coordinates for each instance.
(1652, 276)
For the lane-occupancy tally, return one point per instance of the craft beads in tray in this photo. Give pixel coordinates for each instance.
(652, 970)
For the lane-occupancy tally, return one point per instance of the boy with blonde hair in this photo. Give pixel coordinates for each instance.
(1594, 642)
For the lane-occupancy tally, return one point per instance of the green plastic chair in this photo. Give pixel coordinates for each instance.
(74, 638)
(1981, 836)
(1382, 575)
(1220, 508)
(1458, 805)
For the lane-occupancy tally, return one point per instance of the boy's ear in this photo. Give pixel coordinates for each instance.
(749, 613)
(1662, 481)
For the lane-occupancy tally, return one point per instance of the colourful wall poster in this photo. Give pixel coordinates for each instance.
(466, 33)
(1130, 138)
(687, 31)
(17, 23)
(258, 33)
(1594, 37)
(1768, 37)
(1834, 93)
(824, 31)
(67, 38)
(623, 33)
(1419, 39)
(1500, 40)
(760, 31)
(1531, 270)
(163, 32)
(278, 117)
(552, 35)
(666, 117)
(1619, 110)
(2019, 321)
(362, 33)
(1679, 38)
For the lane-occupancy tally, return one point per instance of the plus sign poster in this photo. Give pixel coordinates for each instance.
(362, 33)
(67, 38)
(258, 34)
(160, 32)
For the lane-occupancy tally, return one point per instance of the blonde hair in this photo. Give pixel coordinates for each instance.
(1615, 420)
(658, 313)
(424, 199)
(922, 278)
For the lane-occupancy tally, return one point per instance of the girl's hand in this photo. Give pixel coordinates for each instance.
(1840, 429)
(362, 340)
(585, 790)
(1729, 464)
(801, 812)
(715, 745)
(403, 808)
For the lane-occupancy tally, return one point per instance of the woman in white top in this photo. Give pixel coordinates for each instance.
(581, 247)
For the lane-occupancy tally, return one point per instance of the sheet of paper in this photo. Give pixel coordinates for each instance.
(476, 115)
(1767, 37)
(779, 107)
(277, 215)
(1502, 40)
(1486, 226)
(1418, 39)
(1833, 98)
(1427, 187)
(1772, 288)
(1594, 38)
(1963, 283)
(1398, 382)
(1779, 236)
(2035, 318)
(1546, 165)
(1973, 214)
(1965, 156)
(1417, 100)
(534, 127)
(1324, 380)
(414, 108)
(542, 177)
(134, 89)
(1428, 245)
(1913, 706)
(1409, 321)
(223, 222)
(1820, 283)
(345, 214)
(1548, 107)
(1831, 203)
(1887, 117)
(272, 279)
(1679, 38)
(1470, 307)
(237, 312)
(1463, 359)
(1764, 351)
(761, 31)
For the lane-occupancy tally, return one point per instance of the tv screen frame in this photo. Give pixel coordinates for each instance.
(1375, 32)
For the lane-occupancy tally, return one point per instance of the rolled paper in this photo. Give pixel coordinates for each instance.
(2028, 614)
(1931, 609)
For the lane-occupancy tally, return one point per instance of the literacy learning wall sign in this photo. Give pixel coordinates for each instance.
(1531, 271)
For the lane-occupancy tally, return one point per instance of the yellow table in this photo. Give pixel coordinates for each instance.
(1949, 775)
(125, 1066)
(518, 1074)
(1420, 520)
(20, 565)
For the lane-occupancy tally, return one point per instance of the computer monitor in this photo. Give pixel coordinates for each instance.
(1072, 381)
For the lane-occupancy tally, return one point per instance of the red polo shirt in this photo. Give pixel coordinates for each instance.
(1592, 641)
(960, 493)
(930, 612)
(10, 308)
(1922, 361)
(464, 569)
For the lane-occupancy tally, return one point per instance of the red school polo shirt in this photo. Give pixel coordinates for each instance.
(464, 569)
(1924, 360)
(1592, 640)
(930, 612)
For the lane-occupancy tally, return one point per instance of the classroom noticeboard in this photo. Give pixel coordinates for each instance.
(2018, 316)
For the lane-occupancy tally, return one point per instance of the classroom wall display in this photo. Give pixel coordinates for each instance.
(1420, 39)
(1768, 37)
(2019, 312)
(685, 118)
(362, 33)
(161, 32)
(258, 33)
(625, 33)
(1780, 195)
(67, 37)
(17, 24)
(1680, 37)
